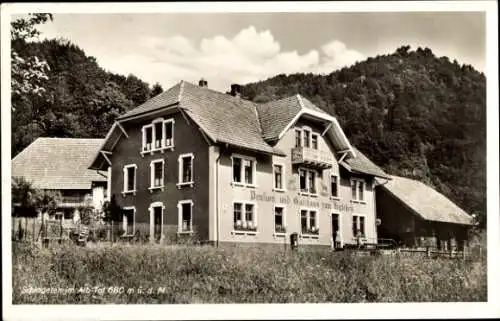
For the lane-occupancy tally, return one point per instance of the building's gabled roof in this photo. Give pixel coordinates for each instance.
(166, 98)
(241, 123)
(222, 117)
(426, 202)
(58, 163)
(363, 164)
(225, 118)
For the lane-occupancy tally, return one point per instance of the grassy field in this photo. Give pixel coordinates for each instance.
(154, 274)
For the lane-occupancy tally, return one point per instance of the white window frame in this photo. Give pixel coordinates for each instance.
(152, 173)
(283, 180)
(179, 217)
(180, 162)
(335, 197)
(125, 179)
(308, 222)
(355, 217)
(163, 146)
(242, 170)
(308, 188)
(151, 208)
(275, 233)
(243, 218)
(357, 181)
(164, 143)
(143, 150)
(125, 220)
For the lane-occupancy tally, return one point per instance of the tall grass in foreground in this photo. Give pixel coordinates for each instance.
(238, 275)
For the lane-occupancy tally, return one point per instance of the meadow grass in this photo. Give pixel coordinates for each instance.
(204, 274)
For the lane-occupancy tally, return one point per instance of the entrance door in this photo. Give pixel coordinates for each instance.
(157, 226)
(335, 230)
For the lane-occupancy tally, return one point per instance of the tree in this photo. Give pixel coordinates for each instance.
(112, 211)
(156, 90)
(28, 72)
(24, 197)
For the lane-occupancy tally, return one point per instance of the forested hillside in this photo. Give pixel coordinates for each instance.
(79, 98)
(414, 114)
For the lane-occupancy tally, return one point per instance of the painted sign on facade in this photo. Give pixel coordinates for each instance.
(300, 201)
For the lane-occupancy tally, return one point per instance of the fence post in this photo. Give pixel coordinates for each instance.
(428, 250)
(34, 229)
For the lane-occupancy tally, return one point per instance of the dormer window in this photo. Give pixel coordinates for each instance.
(158, 136)
(305, 137)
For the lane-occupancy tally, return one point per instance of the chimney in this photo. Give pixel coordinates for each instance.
(235, 90)
(203, 83)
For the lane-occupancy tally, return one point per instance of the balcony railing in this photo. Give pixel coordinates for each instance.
(312, 157)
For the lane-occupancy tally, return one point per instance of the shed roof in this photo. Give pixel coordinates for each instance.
(425, 201)
(58, 163)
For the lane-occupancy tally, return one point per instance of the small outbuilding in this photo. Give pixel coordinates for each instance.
(60, 165)
(417, 215)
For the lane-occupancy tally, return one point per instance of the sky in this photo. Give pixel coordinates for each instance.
(226, 48)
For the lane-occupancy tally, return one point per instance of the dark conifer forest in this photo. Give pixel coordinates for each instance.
(412, 113)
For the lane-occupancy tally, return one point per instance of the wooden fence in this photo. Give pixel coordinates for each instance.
(47, 230)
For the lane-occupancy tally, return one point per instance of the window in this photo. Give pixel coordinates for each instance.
(298, 138)
(334, 186)
(314, 141)
(169, 133)
(312, 182)
(237, 170)
(244, 170)
(245, 218)
(307, 136)
(309, 222)
(358, 190)
(278, 177)
(302, 180)
(147, 138)
(129, 178)
(248, 169)
(358, 225)
(279, 219)
(185, 218)
(157, 173)
(307, 181)
(158, 135)
(158, 129)
(128, 220)
(186, 169)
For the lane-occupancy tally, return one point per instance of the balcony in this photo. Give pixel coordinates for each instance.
(311, 157)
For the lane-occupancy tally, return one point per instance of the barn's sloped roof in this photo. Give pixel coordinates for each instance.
(425, 201)
(58, 163)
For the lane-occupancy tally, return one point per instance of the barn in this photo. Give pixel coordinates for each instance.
(417, 215)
